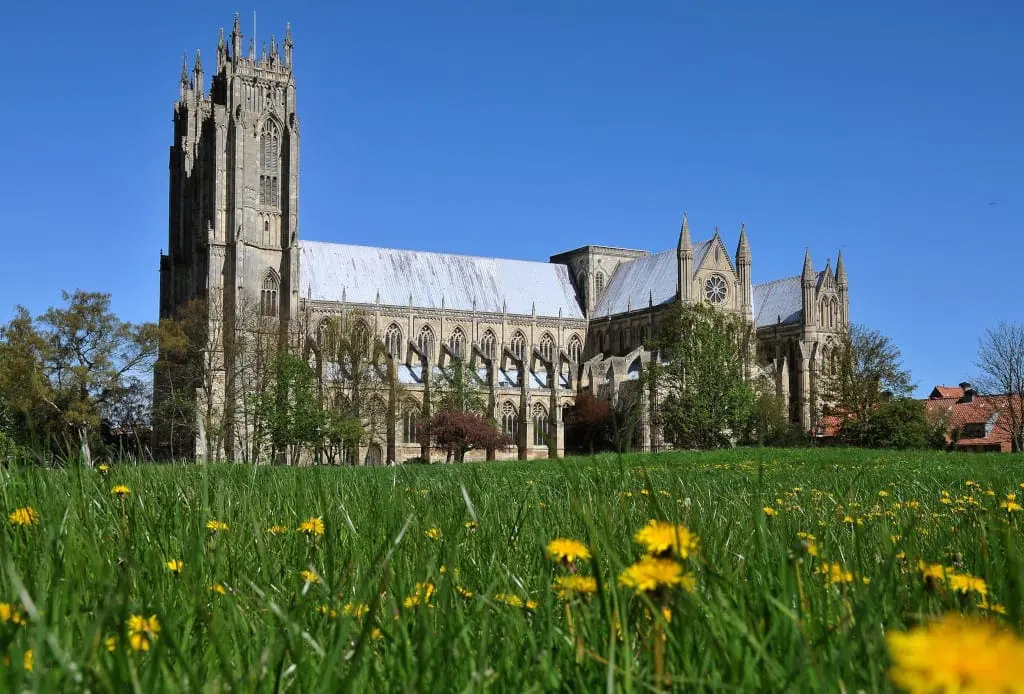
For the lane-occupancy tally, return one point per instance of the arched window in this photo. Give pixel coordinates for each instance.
(327, 335)
(510, 420)
(643, 336)
(266, 233)
(270, 157)
(393, 341)
(821, 313)
(374, 455)
(268, 295)
(361, 339)
(457, 342)
(575, 348)
(411, 426)
(487, 343)
(518, 345)
(833, 313)
(547, 347)
(426, 341)
(540, 425)
(598, 284)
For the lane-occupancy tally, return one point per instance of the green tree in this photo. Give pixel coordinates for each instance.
(865, 370)
(899, 423)
(706, 401)
(290, 407)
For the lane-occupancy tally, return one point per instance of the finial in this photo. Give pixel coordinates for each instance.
(199, 63)
(629, 304)
(220, 39)
(716, 230)
(237, 28)
(650, 298)
(184, 69)
(808, 266)
(288, 45)
(685, 243)
(840, 269)
(288, 34)
(743, 250)
(273, 48)
(252, 49)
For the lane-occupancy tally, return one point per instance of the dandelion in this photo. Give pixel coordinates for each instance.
(433, 533)
(566, 586)
(984, 604)
(513, 600)
(470, 525)
(652, 573)
(277, 529)
(312, 527)
(965, 583)
(218, 588)
(24, 516)
(11, 613)
(216, 526)
(562, 549)
(142, 632)
(1011, 506)
(464, 592)
(660, 538)
(175, 566)
(883, 493)
(834, 573)
(931, 573)
(28, 660)
(110, 643)
(421, 595)
(309, 576)
(355, 609)
(958, 654)
(120, 490)
(103, 468)
(327, 611)
(769, 511)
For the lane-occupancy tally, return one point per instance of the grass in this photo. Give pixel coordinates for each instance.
(762, 616)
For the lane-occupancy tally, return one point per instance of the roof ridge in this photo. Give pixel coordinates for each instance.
(425, 252)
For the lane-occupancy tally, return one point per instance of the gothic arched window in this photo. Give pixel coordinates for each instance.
(361, 339)
(411, 426)
(268, 294)
(457, 342)
(518, 345)
(270, 158)
(575, 348)
(487, 343)
(510, 420)
(547, 347)
(326, 335)
(426, 341)
(393, 341)
(598, 284)
(540, 425)
(833, 313)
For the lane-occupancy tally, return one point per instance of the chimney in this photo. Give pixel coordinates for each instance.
(969, 392)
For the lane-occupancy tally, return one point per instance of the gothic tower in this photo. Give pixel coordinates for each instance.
(233, 217)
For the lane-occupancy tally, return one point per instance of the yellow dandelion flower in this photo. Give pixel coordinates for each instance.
(984, 604)
(956, 654)
(312, 527)
(563, 549)
(216, 526)
(11, 613)
(513, 600)
(218, 588)
(420, 596)
(277, 529)
(769, 511)
(433, 533)
(103, 468)
(24, 516)
(659, 538)
(355, 609)
(1011, 506)
(327, 611)
(110, 643)
(834, 573)
(883, 493)
(142, 632)
(28, 660)
(470, 525)
(309, 576)
(566, 586)
(463, 592)
(376, 634)
(651, 573)
(966, 583)
(933, 572)
(120, 490)
(175, 566)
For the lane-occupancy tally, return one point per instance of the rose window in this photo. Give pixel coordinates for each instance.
(715, 289)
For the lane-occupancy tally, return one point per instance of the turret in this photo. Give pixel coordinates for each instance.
(197, 76)
(222, 51)
(743, 270)
(183, 84)
(807, 281)
(841, 272)
(844, 295)
(275, 57)
(236, 40)
(684, 255)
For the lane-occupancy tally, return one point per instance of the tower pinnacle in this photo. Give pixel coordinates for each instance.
(685, 242)
(840, 270)
(808, 274)
(743, 249)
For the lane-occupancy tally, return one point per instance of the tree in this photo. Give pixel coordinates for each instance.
(589, 424)
(290, 408)
(865, 370)
(898, 423)
(457, 432)
(1001, 366)
(700, 375)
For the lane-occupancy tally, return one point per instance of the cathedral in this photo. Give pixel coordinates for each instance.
(537, 333)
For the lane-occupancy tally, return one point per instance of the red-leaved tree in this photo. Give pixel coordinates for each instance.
(456, 433)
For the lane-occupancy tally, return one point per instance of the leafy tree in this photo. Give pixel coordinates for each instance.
(291, 407)
(590, 424)
(706, 401)
(899, 423)
(1001, 363)
(456, 432)
(866, 370)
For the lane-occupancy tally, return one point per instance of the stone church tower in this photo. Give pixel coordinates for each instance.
(233, 217)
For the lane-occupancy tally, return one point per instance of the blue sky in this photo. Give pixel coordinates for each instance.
(892, 131)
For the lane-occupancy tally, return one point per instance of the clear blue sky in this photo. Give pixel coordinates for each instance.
(892, 131)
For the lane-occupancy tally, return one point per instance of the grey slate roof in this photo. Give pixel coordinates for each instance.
(779, 300)
(337, 271)
(652, 278)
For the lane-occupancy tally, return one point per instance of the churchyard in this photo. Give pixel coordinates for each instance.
(783, 570)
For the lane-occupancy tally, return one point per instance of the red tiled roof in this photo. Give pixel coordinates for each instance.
(947, 392)
(979, 411)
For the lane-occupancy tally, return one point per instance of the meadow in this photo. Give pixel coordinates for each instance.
(780, 570)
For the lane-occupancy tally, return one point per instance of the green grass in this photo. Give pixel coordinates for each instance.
(90, 564)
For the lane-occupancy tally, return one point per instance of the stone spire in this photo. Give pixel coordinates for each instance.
(236, 39)
(183, 83)
(841, 271)
(274, 55)
(684, 261)
(197, 76)
(743, 249)
(222, 50)
(685, 242)
(808, 274)
(288, 45)
(743, 273)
